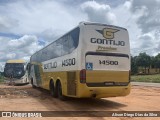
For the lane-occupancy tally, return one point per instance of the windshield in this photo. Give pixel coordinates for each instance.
(14, 70)
(14, 65)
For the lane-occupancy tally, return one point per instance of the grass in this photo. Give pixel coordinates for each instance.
(146, 78)
(1, 79)
(134, 78)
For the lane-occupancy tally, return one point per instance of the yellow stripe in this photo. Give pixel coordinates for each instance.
(16, 61)
(82, 90)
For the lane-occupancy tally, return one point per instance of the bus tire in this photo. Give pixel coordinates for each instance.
(60, 95)
(53, 90)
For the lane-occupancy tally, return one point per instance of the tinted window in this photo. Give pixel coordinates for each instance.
(60, 47)
(14, 65)
(75, 37)
(14, 70)
(70, 41)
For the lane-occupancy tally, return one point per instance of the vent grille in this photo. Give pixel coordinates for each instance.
(71, 83)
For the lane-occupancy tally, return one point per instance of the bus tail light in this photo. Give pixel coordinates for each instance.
(83, 76)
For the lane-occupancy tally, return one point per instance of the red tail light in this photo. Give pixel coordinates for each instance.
(83, 76)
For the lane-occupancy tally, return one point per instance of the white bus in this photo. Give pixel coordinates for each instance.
(91, 60)
(15, 72)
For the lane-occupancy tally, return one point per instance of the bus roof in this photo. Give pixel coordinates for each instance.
(100, 24)
(16, 61)
(80, 23)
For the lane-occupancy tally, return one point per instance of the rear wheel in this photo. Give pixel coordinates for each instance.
(60, 95)
(53, 90)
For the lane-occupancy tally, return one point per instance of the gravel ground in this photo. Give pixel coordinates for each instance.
(25, 98)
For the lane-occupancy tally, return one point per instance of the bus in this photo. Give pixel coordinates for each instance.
(15, 72)
(91, 60)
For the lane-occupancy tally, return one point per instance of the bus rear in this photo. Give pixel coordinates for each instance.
(105, 61)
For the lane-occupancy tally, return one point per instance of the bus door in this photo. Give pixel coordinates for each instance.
(37, 75)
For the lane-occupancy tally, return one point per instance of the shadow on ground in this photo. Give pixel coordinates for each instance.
(84, 104)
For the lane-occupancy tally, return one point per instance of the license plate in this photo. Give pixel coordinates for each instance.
(108, 83)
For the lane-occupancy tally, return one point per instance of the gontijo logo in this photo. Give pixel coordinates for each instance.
(109, 37)
(108, 33)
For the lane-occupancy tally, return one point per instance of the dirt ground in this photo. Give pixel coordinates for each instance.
(25, 98)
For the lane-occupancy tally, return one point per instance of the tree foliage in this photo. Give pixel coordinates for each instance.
(145, 61)
(134, 67)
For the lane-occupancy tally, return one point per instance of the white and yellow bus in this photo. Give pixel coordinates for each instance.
(92, 60)
(15, 72)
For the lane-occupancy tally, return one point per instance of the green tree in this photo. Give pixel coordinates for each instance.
(134, 67)
(157, 61)
(143, 60)
(153, 62)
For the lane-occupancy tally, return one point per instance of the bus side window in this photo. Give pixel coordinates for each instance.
(75, 37)
(70, 44)
(65, 49)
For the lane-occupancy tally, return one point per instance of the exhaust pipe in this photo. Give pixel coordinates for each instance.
(93, 95)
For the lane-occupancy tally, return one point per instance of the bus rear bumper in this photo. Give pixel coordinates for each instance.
(14, 81)
(102, 92)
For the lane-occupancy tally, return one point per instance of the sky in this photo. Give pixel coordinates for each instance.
(28, 25)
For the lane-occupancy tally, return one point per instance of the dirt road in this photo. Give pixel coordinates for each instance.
(25, 98)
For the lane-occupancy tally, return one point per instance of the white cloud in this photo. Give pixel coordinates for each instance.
(34, 17)
(127, 5)
(98, 12)
(6, 23)
(18, 48)
(22, 42)
(150, 17)
(42, 21)
(141, 18)
(126, 19)
(147, 40)
(11, 55)
(148, 22)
